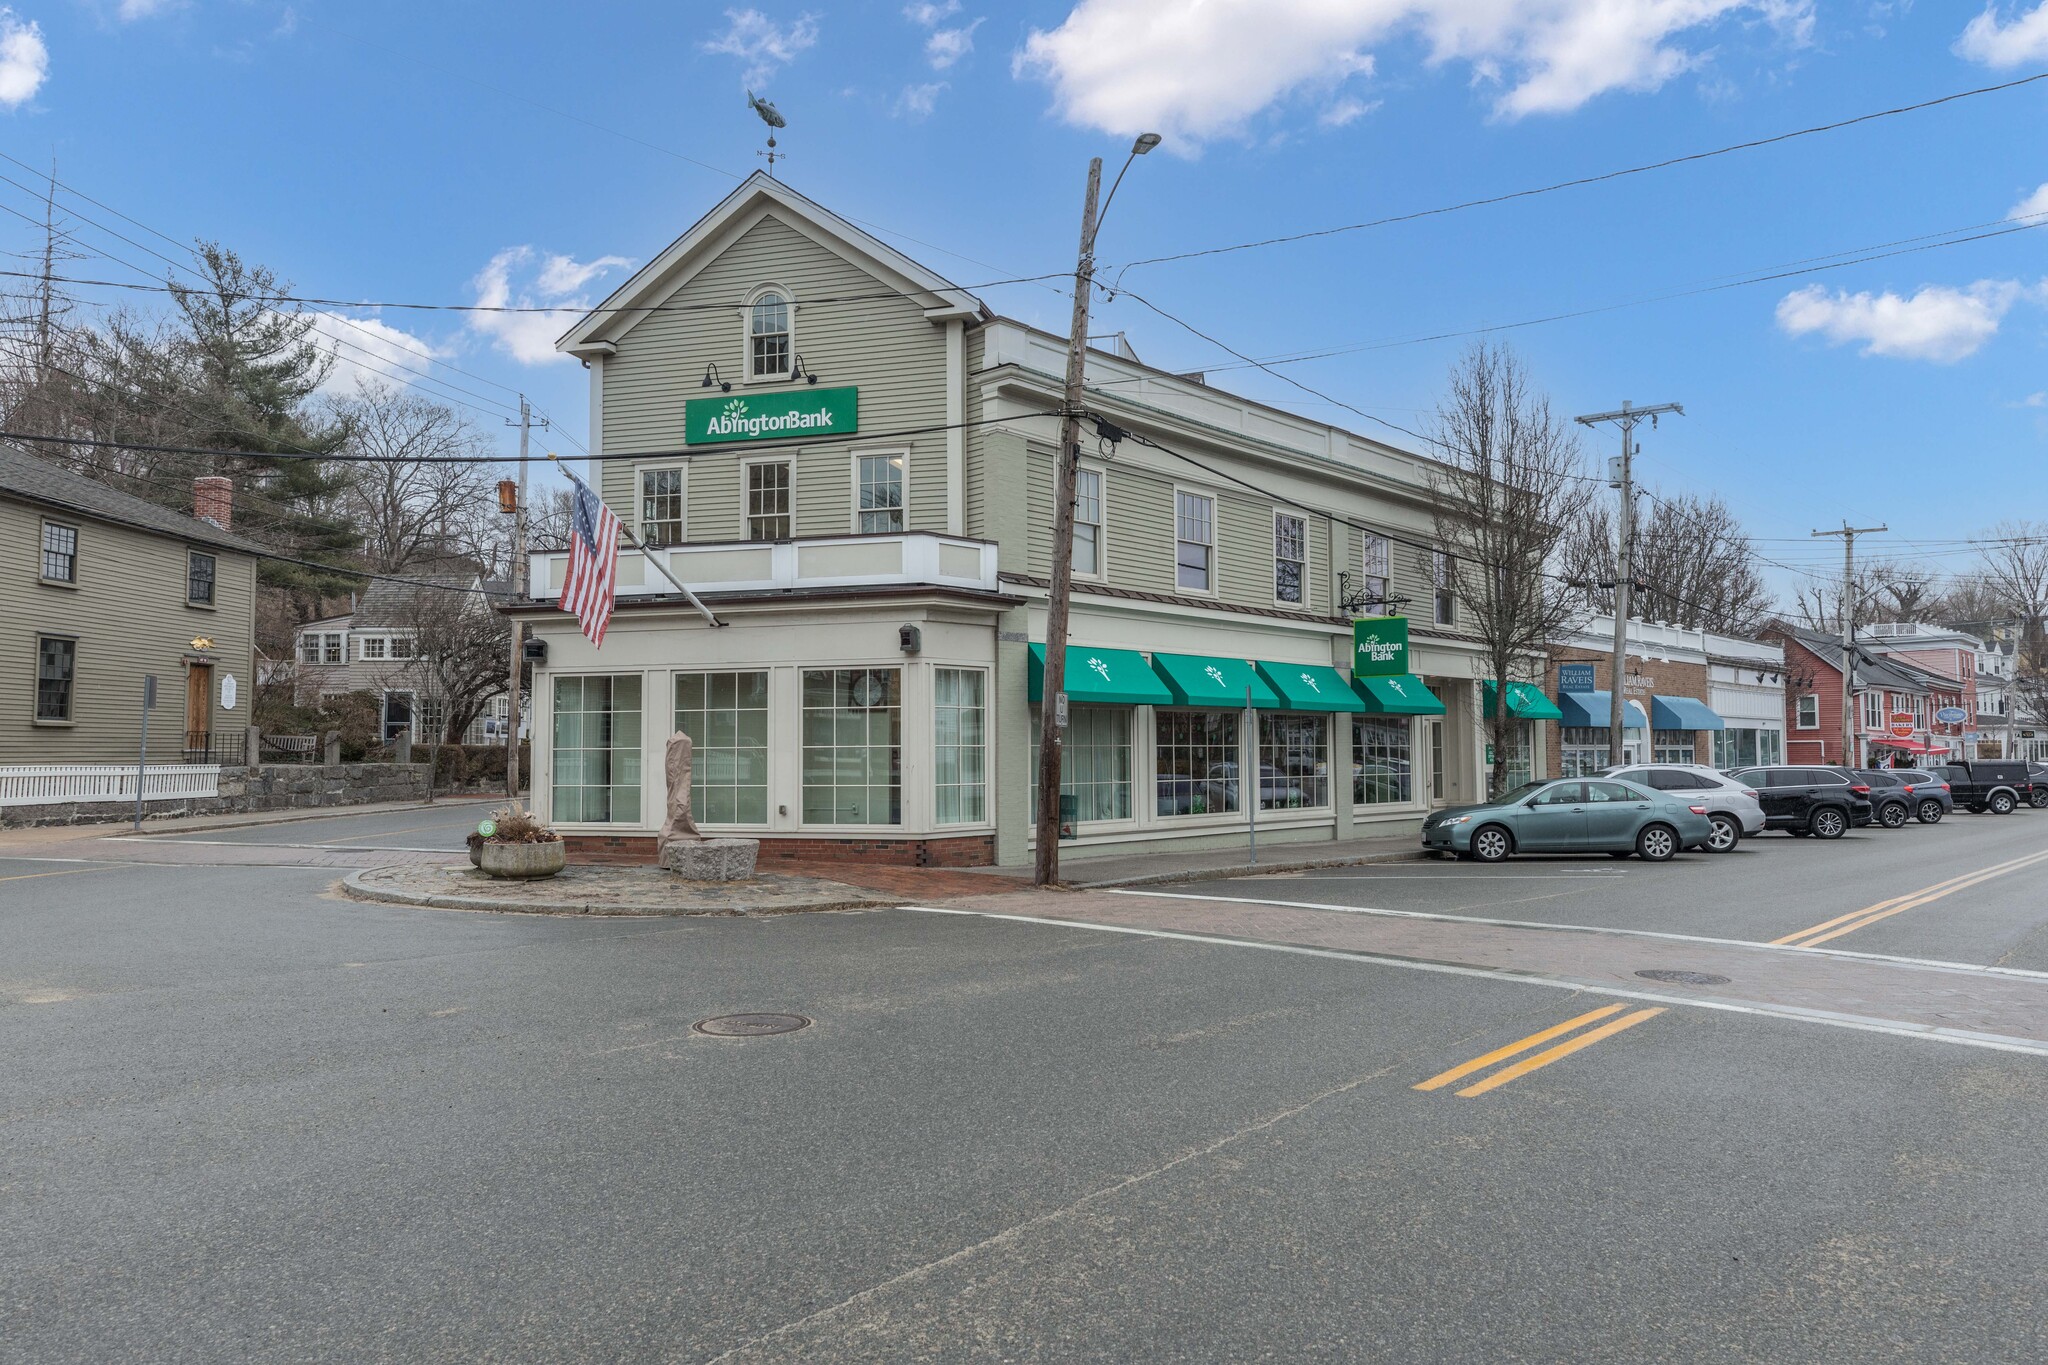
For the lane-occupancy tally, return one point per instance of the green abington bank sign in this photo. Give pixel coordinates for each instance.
(770, 416)
(1379, 647)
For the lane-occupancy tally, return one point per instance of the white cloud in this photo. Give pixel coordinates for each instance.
(948, 45)
(131, 10)
(763, 44)
(918, 101)
(928, 15)
(556, 282)
(369, 349)
(2032, 400)
(1345, 111)
(1994, 41)
(24, 60)
(1196, 69)
(1939, 323)
(2032, 206)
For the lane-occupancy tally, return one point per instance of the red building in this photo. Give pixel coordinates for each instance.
(1889, 694)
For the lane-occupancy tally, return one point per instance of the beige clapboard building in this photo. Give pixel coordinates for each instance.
(851, 460)
(105, 589)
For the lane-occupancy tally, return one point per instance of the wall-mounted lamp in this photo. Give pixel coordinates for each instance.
(797, 371)
(711, 377)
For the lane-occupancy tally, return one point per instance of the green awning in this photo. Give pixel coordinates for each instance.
(1198, 680)
(1102, 677)
(1310, 687)
(1401, 694)
(1525, 702)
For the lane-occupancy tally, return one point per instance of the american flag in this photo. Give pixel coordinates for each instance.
(593, 561)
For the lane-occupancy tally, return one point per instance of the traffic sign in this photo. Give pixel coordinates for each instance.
(1951, 715)
(1903, 725)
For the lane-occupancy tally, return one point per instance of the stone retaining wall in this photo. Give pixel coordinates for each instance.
(264, 787)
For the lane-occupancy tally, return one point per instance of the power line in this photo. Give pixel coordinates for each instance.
(1591, 179)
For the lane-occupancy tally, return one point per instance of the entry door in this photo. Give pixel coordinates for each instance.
(198, 705)
(397, 715)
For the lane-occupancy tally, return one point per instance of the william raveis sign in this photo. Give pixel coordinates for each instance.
(771, 416)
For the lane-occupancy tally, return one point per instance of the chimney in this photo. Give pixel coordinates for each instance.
(213, 499)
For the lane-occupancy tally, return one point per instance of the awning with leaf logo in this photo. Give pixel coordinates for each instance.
(1310, 687)
(1102, 677)
(1399, 694)
(1198, 680)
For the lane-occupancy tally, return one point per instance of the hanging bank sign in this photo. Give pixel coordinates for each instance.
(1379, 647)
(771, 416)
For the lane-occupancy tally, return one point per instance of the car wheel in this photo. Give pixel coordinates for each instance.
(2038, 798)
(1930, 812)
(1727, 834)
(1828, 823)
(1893, 814)
(2001, 803)
(1656, 843)
(1491, 843)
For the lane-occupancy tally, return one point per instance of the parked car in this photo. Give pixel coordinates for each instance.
(1734, 808)
(1891, 802)
(2000, 786)
(1820, 801)
(1571, 815)
(1932, 798)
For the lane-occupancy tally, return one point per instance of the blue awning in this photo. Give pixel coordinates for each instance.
(1684, 713)
(1595, 710)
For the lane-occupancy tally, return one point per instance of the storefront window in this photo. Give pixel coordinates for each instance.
(597, 749)
(1747, 748)
(1197, 754)
(726, 717)
(1095, 760)
(1673, 746)
(1521, 754)
(1583, 749)
(1382, 760)
(853, 746)
(1294, 768)
(960, 745)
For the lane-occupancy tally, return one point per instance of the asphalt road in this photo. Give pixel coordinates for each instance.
(241, 1119)
(443, 825)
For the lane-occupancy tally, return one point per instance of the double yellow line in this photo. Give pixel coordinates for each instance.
(1870, 914)
(1543, 1058)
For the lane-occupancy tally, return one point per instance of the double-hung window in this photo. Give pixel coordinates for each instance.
(768, 500)
(1290, 558)
(1194, 534)
(60, 553)
(1443, 574)
(768, 339)
(1376, 564)
(1873, 711)
(1088, 522)
(878, 501)
(334, 647)
(661, 506)
(1809, 712)
(372, 647)
(56, 663)
(401, 646)
(199, 574)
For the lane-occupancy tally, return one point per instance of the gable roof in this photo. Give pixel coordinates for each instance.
(594, 333)
(391, 602)
(25, 477)
(1875, 670)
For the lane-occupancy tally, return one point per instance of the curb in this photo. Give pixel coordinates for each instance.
(292, 817)
(353, 887)
(1247, 870)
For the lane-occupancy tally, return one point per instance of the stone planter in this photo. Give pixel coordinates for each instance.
(522, 860)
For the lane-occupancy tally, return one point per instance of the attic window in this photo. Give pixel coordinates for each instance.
(768, 338)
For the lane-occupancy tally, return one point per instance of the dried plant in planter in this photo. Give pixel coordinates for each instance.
(516, 825)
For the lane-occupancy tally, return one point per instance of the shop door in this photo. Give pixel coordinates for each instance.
(198, 706)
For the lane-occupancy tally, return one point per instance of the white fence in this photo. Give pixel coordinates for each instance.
(52, 784)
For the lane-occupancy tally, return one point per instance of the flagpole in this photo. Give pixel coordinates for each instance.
(634, 543)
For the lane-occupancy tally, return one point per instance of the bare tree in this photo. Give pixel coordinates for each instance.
(412, 506)
(1511, 480)
(1900, 590)
(1694, 565)
(459, 649)
(1970, 602)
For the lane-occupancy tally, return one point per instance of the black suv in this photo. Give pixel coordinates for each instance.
(2039, 772)
(1891, 799)
(1823, 802)
(1989, 784)
(1932, 798)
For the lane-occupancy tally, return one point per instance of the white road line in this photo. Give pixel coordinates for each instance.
(1933, 1033)
(1916, 963)
(312, 848)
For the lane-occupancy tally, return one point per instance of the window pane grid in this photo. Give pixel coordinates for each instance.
(1377, 566)
(1095, 762)
(661, 506)
(726, 717)
(1194, 541)
(768, 516)
(1382, 760)
(852, 746)
(199, 579)
(1290, 557)
(959, 746)
(881, 493)
(597, 749)
(1672, 746)
(768, 331)
(1197, 758)
(56, 662)
(1294, 770)
(60, 553)
(1087, 521)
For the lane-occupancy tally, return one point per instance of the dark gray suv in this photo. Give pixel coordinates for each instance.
(1823, 802)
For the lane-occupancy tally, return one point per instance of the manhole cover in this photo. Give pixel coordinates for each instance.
(1684, 978)
(750, 1025)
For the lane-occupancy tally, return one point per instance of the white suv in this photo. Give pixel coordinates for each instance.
(1733, 808)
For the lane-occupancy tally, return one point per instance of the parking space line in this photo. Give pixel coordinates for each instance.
(1558, 1053)
(1818, 934)
(1501, 1054)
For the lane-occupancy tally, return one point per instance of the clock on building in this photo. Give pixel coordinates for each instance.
(870, 689)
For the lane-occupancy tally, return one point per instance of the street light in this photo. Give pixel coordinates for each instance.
(1046, 869)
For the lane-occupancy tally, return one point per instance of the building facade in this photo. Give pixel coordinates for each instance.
(1690, 696)
(851, 461)
(107, 589)
(375, 648)
(1894, 704)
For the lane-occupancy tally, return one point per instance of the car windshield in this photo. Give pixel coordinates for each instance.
(1522, 793)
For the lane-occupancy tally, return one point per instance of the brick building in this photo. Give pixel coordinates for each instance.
(1884, 690)
(1681, 687)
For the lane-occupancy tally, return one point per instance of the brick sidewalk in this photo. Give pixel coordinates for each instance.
(1974, 1003)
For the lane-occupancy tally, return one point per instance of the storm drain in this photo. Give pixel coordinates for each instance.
(1683, 978)
(750, 1025)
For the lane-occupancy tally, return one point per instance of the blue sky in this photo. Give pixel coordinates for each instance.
(463, 151)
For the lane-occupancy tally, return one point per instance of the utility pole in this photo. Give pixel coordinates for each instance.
(519, 585)
(1848, 534)
(1051, 712)
(1621, 475)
